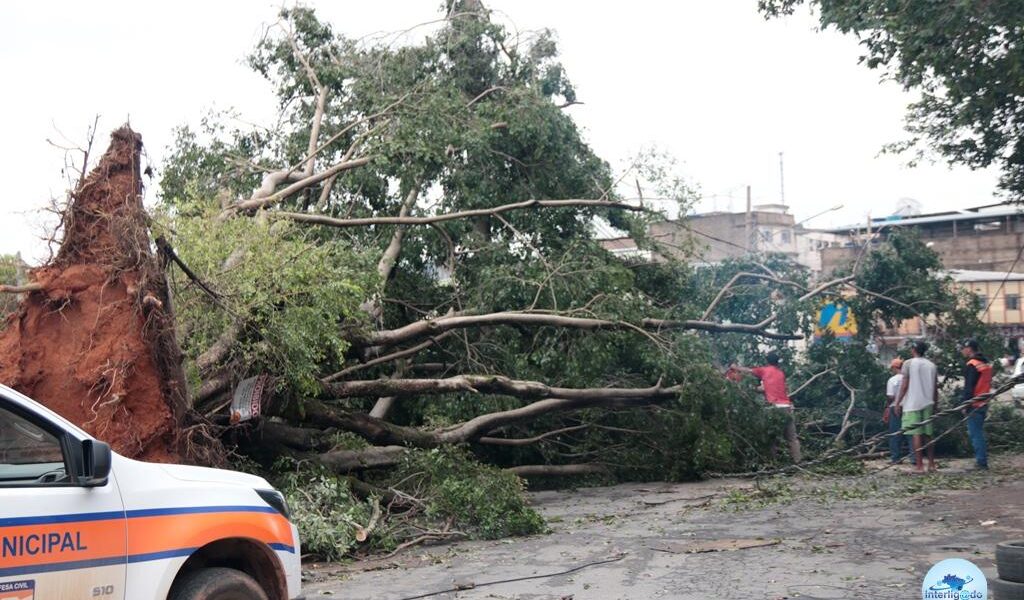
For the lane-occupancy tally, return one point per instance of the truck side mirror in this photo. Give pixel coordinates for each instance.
(96, 463)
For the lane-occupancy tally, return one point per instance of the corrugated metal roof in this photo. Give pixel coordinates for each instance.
(962, 215)
(967, 276)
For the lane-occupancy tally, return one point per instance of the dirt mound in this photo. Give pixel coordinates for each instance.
(96, 343)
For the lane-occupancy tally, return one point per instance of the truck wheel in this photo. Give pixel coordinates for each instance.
(1010, 561)
(217, 583)
(1006, 590)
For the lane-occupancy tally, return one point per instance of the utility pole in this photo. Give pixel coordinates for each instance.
(749, 224)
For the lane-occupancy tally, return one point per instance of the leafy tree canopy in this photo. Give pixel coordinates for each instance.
(965, 59)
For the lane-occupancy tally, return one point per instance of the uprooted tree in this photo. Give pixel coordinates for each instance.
(409, 256)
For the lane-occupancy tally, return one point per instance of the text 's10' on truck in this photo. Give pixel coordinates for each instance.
(80, 522)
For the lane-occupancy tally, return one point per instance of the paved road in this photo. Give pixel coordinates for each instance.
(865, 537)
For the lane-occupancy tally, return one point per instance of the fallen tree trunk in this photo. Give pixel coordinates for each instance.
(344, 461)
(528, 471)
(466, 214)
(437, 326)
(490, 384)
(382, 433)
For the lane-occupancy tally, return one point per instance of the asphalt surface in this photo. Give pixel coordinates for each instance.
(810, 537)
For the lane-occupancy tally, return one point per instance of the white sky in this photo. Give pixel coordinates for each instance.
(709, 81)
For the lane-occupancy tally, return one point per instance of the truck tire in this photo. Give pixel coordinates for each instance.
(1005, 590)
(218, 583)
(1010, 561)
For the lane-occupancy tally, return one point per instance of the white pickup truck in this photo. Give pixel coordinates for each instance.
(78, 521)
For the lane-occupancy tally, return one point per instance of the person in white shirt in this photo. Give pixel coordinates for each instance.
(917, 401)
(897, 441)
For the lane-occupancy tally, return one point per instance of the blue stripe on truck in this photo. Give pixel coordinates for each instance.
(130, 514)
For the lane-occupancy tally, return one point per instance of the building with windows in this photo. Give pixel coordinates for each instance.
(983, 238)
(716, 236)
(1000, 294)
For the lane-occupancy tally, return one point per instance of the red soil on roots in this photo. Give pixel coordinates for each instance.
(96, 345)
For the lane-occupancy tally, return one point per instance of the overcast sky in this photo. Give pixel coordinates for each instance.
(708, 81)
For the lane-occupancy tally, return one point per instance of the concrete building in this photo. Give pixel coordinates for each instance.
(717, 236)
(983, 238)
(1000, 295)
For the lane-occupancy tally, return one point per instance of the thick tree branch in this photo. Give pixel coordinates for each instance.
(380, 432)
(212, 386)
(406, 220)
(735, 279)
(382, 407)
(386, 358)
(168, 251)
(259, 200)
(343, 461)
(440, 325)
(527, 471)
(811, 380)
(220, 348)
(492, 384)
(21, 289)
(849, 411)
(390, 256)
(495, 441)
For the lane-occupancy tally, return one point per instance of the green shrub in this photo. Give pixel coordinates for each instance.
(323, 508)
(1005, 428)
(477, 499)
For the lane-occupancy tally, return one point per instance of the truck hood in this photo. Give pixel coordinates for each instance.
(205, 475)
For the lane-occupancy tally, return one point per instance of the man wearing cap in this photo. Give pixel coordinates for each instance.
(917, 401)
(977, 381)
(892, 387)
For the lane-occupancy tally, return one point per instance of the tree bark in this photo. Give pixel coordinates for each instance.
(390, 256)
(419, 329)
(527, 471)
(406, 220)
(496, 441)
(380, 432)
(259, 201)
(344, 461)
(213, 355)
(491, 384)
(21, 289)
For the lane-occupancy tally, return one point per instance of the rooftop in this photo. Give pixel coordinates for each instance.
(966, 276)
(988, 211)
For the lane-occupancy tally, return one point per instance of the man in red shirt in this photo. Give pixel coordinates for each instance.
(773, 384)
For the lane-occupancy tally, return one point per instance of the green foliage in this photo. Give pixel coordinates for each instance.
(964, 58)
(323, 508)
(470, 118)
(1004, 427)
(908, 276)
(763, 494)
(8, 276)
(292, 295)
(459, 494)
(479, 500)
(907, 273)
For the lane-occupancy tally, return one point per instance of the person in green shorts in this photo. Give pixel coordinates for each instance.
(917, 401)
